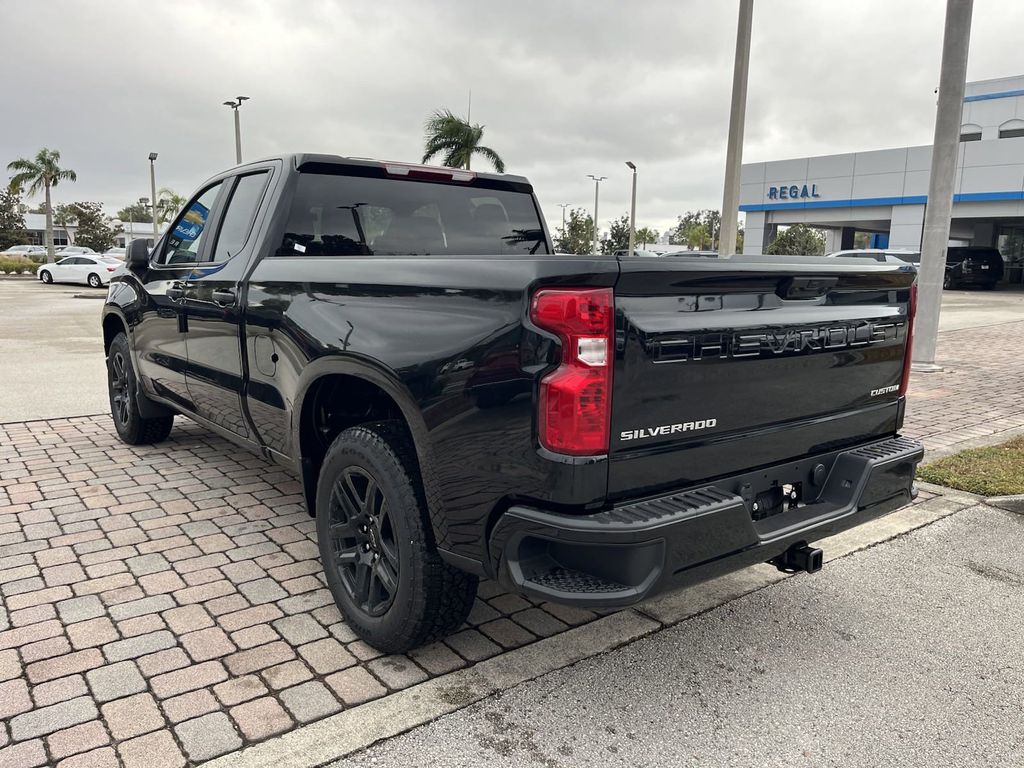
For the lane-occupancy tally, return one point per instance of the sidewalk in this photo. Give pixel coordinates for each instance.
(979, 394)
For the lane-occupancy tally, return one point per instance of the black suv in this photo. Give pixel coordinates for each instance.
(973, 265)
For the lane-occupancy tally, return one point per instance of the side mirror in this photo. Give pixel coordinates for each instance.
(138, 254)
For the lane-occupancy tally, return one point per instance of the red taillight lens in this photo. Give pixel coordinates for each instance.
(911, 314)
(111, 269)
(575, 398)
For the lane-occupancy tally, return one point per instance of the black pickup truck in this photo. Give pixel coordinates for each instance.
(461, 402)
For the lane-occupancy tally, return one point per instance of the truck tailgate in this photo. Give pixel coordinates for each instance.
(726, 366)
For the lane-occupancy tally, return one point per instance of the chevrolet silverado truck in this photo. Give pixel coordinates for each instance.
(462, 403)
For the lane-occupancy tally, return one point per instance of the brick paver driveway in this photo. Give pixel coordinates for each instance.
(165, 605)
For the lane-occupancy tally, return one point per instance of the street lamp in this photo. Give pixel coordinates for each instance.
(152, 185)
(563, 206)
(238, 128)
(632, 212)
(597, 190)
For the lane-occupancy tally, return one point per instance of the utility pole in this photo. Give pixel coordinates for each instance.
(238, 126)
(632, 212)
(152, 186)
(737, 115)
(953, 74)
(597, 191)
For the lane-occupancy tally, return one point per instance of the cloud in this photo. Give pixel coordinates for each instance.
(564, 89)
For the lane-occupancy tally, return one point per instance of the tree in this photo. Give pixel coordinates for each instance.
(168, 203)
(456, 141)
(697, 229)
(41, 174)
(617, 238)
(94, 228)
(798, 240)
(136, 212)
(646, 235)
(12, 220)
(577, 236)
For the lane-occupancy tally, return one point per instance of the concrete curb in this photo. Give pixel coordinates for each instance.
(977, 442)
(360, 727)
(1013, 503)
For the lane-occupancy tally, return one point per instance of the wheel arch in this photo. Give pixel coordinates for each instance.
(113, 324)
(372, 393)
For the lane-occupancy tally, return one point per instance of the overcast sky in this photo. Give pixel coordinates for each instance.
(565, 88)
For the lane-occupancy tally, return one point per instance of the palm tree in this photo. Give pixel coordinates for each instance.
(456, 141)
(42, 173)
(168, 203)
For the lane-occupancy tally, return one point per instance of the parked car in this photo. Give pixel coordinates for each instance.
(93, 270)
(637, 252)
(459, 402)
(117, 253)
(68, 250)
(882, 255)
(25, 251)
(694, 254)
(973, 265)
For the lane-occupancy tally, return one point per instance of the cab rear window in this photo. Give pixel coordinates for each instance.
(335, 215)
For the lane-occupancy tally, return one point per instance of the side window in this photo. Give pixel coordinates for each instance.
(239, 216)
(182, 246)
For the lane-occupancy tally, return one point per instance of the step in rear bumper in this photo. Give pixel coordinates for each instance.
(634, 550)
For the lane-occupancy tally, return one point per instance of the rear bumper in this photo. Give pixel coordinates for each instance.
(635, 550)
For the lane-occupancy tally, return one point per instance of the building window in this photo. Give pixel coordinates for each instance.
(970, 132)
(1011, 129)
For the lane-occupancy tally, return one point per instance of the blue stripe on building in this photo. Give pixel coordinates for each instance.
(966, 197)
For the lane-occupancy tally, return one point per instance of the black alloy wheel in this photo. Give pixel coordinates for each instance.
(120, 388)
(363, 541)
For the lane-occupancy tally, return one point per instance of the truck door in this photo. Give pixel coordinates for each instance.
(212, 302)
(159, 336)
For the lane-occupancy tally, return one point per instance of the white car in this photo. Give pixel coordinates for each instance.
(25, 250)
(117, 253)
(93, 270)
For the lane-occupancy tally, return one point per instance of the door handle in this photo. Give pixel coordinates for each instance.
(222, 296)
(175, 291)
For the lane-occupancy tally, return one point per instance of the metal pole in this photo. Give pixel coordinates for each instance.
(563, 206)
(737, 115)
(597, 189)
(152, 185)
(632, 214)
(238, 138)
(955, 43)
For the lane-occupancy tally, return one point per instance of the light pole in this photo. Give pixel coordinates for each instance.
(632, 212)
(597, 190)
(238, 126)
(563, 206)
(152, 186)
(952, 74)
(734, 148)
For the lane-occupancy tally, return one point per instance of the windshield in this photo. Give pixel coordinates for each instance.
(333, 215)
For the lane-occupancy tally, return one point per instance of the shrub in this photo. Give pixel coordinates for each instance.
(14, 265)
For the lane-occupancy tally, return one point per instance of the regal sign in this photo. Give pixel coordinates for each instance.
(793, 192)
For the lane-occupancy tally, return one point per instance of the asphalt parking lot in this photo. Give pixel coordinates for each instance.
(53, 350)
(164, 605)
(905, 654)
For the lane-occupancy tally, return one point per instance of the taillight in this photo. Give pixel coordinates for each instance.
(575, 398)
(111, 269)
(908, 354)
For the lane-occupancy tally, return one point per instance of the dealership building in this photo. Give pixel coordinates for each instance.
(883, 192)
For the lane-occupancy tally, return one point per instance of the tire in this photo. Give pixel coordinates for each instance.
(123, 389)
(376, 543)
(45, 276)
(94, 281)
